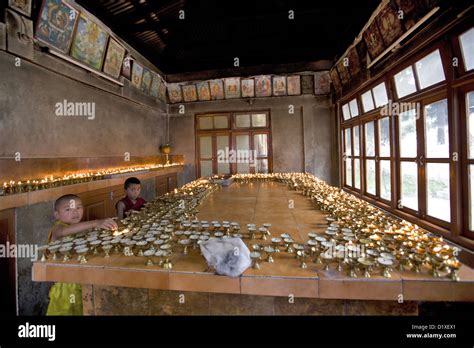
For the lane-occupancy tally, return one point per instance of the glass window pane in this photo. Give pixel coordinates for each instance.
(260, 144)
(367, 102)
(430, 69)
(242, 142)
(206, 168)
(437, 130)
(356, 173)
(262, 166)
(347, 139)
(243, 147)
(471, 197)
(242, 121)
(409, 185)
(222, 142)
(467, 47)
(205, 123)
(405, 82)
(369, 139)
(370, 178)
(385, 183)
(384, 137)
(221, 122)
(380, 95)
(354, 108)
(470, 123)
(348, 172)
(437, 199)
(407, 133)
(356, 140)
(259, 120)
(345, 112)
(205, 146)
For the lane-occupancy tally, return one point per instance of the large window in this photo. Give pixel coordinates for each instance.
(415, 156)
(232, 143)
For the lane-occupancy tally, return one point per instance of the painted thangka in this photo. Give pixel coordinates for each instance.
(155, 84)
(353, 61)
(137, 72)
(55, 25)
(189, 93)
(294, 85)
(232, 87)
(114, 58)
(89, 42)
(263, 86)
(279, 85)
(203, 91)
(248, 88)
(389, 24)
(174, 92)
(374, 41)
(162, 91)
(217, 89)
(127, 67)
(321, 83)
(146, 80)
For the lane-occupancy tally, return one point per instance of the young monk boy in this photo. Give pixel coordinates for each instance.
(66, 299)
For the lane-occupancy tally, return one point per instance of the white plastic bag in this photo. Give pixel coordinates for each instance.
(228, 256)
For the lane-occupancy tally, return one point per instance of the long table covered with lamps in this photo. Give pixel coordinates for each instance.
(304, 221)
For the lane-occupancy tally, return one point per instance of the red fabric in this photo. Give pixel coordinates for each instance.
(129, 205)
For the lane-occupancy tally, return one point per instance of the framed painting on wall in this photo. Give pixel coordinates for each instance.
(389, 24)
(155, 84)
(162, 91)
(22, 6)
(189, 93)
(279, 85)
(294, 84)
(217, 89)
(343, 72)
(321, 83)
(114, 58)
(263, 86)
(373, 40)
(137, 72)
(413, 10)
(55, 25)
(89, 42)
(174, 93)
(127, 67)
(203, 91)
(307, 84)
(232, 87)
(248, 88)
(353, 60)
(146, 80)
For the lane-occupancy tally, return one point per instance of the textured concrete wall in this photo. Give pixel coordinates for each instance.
(28, 95)
(303, 141)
